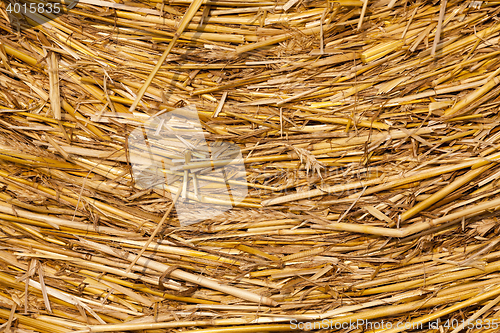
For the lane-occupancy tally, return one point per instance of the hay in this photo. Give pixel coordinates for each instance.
(368, 132)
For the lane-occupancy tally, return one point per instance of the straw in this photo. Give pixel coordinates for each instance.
(193, 8)
(351, 169)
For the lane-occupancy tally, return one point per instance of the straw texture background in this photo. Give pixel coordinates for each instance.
(370, 138)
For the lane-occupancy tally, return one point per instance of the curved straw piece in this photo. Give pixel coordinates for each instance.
(414, 228)
(185, 276)
(390, 182)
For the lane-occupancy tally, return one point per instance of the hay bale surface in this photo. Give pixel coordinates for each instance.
(369, 134)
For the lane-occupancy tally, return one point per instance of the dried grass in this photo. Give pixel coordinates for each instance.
(369, 133)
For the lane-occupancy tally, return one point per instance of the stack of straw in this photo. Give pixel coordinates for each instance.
(369, 132)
